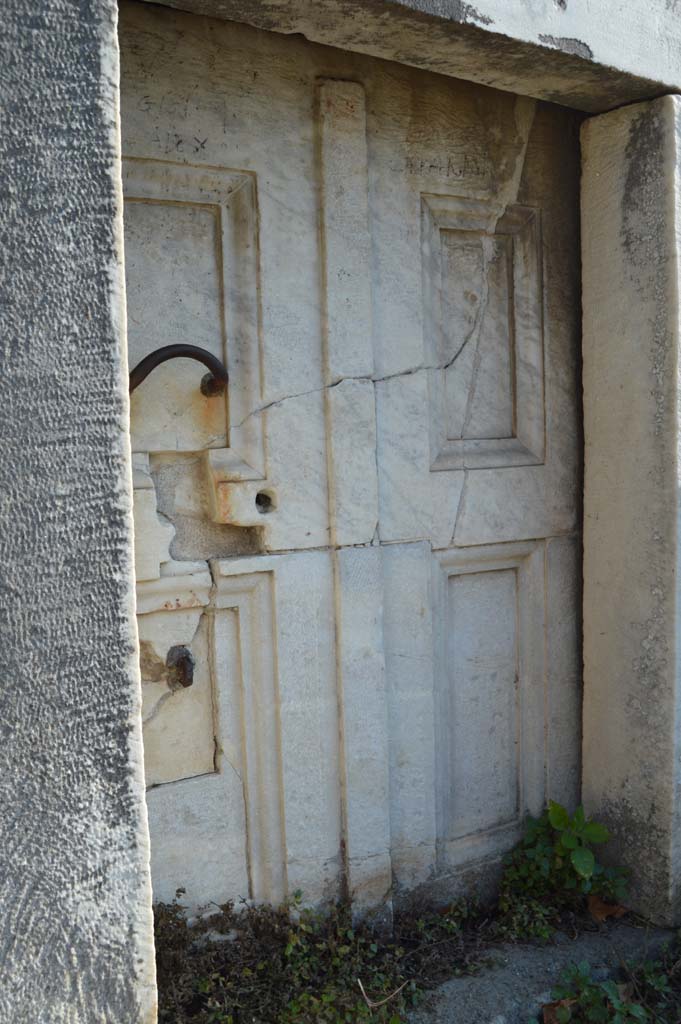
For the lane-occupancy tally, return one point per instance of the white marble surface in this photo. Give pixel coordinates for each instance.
(152, 532)
(390, 501)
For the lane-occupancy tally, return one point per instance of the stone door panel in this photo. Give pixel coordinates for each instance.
(369, 542)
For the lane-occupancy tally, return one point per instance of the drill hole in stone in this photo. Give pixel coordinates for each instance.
(264, 502)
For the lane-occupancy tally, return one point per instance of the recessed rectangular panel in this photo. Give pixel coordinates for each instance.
(175, 296)
(479, 783)
(477, 292)
(173, 277)
(192, 278)
(484, 332)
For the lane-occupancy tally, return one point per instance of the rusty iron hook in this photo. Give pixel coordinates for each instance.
(213, 383)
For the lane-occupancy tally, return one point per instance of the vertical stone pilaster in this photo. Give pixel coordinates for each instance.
(346, 313)
(353, 491)
(632, 541)
(365, 781)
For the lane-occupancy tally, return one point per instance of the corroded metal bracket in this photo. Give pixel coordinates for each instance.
(213, 383)
(180, 667)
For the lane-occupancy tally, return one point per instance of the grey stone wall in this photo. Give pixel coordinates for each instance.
(75, 920)
(631, 201)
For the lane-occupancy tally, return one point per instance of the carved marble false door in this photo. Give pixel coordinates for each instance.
(478, 454)
(374, 557)
(472, 265)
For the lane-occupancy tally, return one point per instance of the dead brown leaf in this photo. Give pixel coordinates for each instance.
(550, 1010)
(601, 911)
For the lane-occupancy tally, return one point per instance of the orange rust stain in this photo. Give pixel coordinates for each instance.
(224, 505)
(211, 415)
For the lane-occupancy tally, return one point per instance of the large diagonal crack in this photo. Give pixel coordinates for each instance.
(524, 112)
(411, 371)
(280, 401)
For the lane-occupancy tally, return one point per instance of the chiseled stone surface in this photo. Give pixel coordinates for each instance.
(75, 900)
(632, 699)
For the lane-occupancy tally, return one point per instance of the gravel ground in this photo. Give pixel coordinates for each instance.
(513, 989)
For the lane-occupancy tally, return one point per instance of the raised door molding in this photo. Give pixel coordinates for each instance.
(490, 703)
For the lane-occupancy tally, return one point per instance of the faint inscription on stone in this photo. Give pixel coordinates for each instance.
(451, 166)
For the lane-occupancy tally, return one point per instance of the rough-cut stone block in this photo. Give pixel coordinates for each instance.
(631, 204)
(75, 899)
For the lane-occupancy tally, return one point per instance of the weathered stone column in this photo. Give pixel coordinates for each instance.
(631, 196)
(75, 902)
